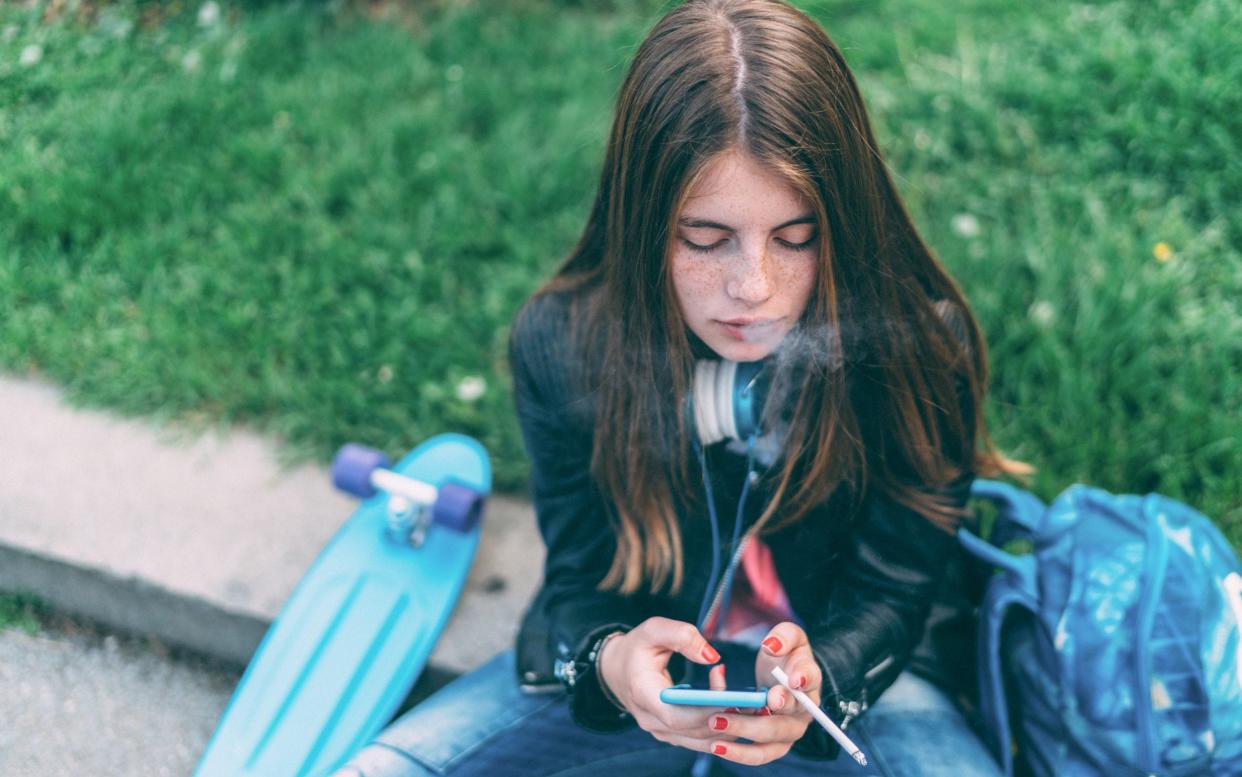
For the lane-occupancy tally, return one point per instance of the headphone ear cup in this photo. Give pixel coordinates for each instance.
(704, 401)
(726, 375)
(726, 400)
(749, 390)
(712, 399)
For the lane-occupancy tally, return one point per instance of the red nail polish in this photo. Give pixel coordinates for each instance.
(763, 712)
(710, 654)
(772, 644)
(719, 723)
(801, 681)
(732, 711)
(719, 749)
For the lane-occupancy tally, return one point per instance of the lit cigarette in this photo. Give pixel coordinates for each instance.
(820, 717)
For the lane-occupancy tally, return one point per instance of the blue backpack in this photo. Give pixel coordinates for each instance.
(1115, 642)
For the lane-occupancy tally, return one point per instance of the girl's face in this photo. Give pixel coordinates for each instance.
(744, 257)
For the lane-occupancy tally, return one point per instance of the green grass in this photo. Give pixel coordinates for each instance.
(22, 612)
(320, 224)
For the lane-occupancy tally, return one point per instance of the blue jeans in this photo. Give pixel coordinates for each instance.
(482, 725)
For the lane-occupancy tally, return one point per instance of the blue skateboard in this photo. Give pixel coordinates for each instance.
(356, 633)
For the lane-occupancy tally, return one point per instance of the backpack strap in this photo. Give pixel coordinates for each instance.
(1022, 513)
(993, 706)
(1021, 516)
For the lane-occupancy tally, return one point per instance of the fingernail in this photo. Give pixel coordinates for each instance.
(764, 711)
(801, 681)
(772, 644)
(732, 711)
(720, 749)
(710, 654)
(719, 723)
(779, 701)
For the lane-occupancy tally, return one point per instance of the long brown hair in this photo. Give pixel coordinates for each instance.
(890, 345)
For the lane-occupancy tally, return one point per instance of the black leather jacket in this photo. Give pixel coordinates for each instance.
(870, 584)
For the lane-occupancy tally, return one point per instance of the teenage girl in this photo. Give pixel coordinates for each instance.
(744, 215)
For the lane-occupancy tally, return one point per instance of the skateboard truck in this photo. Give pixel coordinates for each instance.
(407, 520)
(412, 504)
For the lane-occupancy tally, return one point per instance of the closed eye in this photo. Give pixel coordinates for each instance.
(703, 248)
(806, 245)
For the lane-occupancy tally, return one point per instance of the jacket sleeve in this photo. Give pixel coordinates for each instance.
(571, 513)
(890, 576)
(864, 637)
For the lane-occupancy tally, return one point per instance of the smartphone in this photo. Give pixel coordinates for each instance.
(703, 697)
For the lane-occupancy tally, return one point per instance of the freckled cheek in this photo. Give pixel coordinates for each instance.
(696, 285)
(796, 278)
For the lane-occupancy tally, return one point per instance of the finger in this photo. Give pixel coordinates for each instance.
(675, 719)
(696, 744)
(680, 637)
(758, 729)
(781, 701)
(804, 673)
(783, 639)
(716, 678)
(690, 742)
(749, 754)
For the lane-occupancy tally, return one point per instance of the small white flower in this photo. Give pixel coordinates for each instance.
(192, 61)
(209, 14)
(1042, 312)
(454, 73)
(384, 374)
(31, 55)
(922, 141)
(471, 388)
(114, 23)
(966, 225)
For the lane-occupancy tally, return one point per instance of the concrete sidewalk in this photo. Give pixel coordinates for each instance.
(198, 542)
(90, 704)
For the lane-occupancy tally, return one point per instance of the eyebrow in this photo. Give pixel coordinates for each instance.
(808, 218)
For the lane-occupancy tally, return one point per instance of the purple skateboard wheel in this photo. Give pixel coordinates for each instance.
(352, 468)
(457, 507)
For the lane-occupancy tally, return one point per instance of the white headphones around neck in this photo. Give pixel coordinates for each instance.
(727, 399)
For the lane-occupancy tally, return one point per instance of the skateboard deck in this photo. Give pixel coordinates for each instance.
(352, 639)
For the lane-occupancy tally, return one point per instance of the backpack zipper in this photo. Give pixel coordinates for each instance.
(1153, 583)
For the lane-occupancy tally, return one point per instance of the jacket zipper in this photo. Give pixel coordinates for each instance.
(878, 667)
(852, 709)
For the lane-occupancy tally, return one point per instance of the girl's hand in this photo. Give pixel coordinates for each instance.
(775, 728)
(634, 666)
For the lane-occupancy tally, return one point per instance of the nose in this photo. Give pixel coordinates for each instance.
(751, 281)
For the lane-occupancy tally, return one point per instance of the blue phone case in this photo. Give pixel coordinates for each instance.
(702, 697)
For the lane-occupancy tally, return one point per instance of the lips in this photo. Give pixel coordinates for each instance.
(743, 329)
